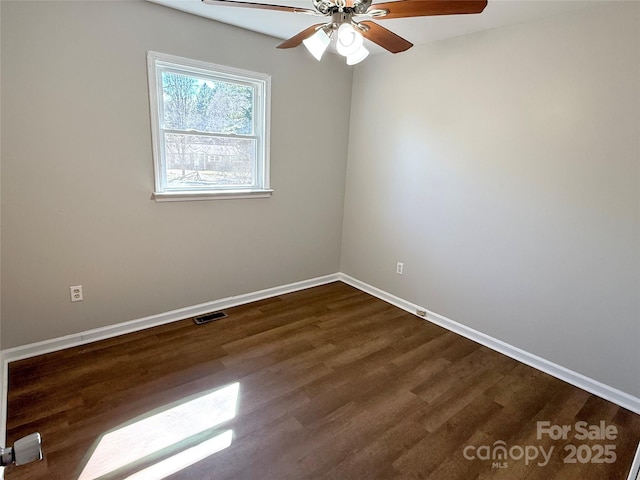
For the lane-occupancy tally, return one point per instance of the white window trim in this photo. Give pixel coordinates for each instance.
(210, 195)
(160, 194)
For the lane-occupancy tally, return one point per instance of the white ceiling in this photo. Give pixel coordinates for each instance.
(416, 30)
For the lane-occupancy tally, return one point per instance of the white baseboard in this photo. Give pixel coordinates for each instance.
(592, 386)
(68, 341)
(574, 378)
(634, 472)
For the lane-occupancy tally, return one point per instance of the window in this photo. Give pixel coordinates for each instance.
(210, 129)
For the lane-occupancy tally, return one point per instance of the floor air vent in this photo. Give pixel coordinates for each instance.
(209, 317)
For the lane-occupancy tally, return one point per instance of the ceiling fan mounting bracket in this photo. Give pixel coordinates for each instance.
(323, 6)
(361, 7)
(360, 26)
(328, 8)
(377, 12)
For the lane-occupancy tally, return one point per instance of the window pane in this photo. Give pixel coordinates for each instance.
(210, 129)
(198, 161)
(207, 105)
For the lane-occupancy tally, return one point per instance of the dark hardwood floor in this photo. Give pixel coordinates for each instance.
(331, 384)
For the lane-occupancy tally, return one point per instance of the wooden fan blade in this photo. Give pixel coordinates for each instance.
(427, 8)
(303, 35)
(261, 6)
(385, 38)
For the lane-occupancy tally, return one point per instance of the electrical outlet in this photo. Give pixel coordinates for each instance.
(399, 268)
(76, 293)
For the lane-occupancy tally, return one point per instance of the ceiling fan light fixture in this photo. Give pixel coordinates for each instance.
(349, 40)
(317, 43)
(358, 56)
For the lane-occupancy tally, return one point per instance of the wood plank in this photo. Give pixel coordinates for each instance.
(334, 384)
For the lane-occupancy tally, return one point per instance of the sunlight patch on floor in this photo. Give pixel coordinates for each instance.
(163, 429)
(184, 459)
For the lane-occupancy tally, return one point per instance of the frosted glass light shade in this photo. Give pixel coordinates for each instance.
(358, 56)
(317, 43)
(349, 41)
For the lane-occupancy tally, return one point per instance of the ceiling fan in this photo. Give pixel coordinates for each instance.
(349, 21)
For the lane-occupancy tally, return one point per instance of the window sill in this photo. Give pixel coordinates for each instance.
(209, 195)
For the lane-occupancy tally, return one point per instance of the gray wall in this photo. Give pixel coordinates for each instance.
(77, 170)
(503, 169)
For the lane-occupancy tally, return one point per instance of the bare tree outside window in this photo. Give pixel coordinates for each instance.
(192, 104)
